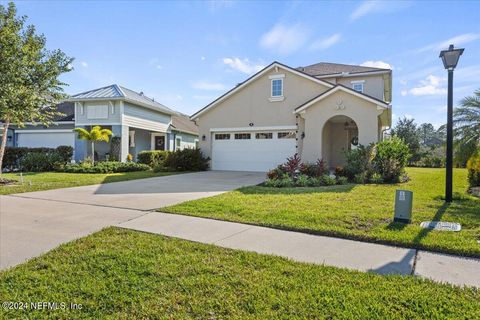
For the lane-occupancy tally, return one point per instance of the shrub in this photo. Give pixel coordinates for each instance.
(13, 156)
(473, 167)
(65, 152)
(342, 180)
(40, 162)
(276, 173)
(302, 180)
(284, 182)
(376, 178)
(359, 161)
(308, 169)
(360, 178)
(105, 167)
(391, 158)
(187, 160)
(292, 166)
(152, 158)
(327, 180)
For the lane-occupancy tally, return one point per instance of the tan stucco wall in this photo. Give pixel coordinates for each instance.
(373, 85)
(364, 113)
(251, 105)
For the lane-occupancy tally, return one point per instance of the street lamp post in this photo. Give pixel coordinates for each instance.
(450, 59)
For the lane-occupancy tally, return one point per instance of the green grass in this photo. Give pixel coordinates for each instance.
(120, 274)
(362, 212)
(56, 180)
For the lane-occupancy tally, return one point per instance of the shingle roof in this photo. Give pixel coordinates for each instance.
(183, 123)
(68, 109)
(115, 91)
(327, 68)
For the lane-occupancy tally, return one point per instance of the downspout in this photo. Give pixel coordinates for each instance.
(390, 126)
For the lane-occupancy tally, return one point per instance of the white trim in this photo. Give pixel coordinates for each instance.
(276, 76)
(276, 99)
(353, 92)
(274, 128)
(357, 81)
(152, 140)
(45, 131)
(41, 124)
(181, 140)
(347, 75)
(102, 123)
(356, 84)
(255, 77)
(145, 124)
(112, 107)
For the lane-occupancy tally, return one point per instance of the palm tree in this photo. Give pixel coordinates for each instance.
(95, 134)
(467, 119)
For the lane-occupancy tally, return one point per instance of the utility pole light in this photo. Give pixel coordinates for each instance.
(450, 59)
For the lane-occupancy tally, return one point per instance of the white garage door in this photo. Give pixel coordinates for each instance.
(45, 139)
(251, 151)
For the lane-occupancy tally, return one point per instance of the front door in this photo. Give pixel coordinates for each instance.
(159, 142)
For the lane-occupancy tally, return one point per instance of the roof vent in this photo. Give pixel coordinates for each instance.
(141, 93)
(345, 74)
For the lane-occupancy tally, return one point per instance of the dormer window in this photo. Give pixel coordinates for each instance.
(276, 93)
(358, 85)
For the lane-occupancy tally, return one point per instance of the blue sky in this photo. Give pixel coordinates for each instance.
(185, 54)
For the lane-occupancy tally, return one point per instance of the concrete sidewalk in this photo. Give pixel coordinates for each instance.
(303, 247)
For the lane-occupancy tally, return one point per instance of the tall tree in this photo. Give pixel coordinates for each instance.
(406, 129)
(29, 84)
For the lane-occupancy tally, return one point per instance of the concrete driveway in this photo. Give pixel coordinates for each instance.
(33, 223)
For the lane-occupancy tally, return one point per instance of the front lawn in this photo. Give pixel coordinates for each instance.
(362, 212)
(56, 180)
(120, 274)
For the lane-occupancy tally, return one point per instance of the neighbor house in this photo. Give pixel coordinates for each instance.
(318, 111)
(138, 123)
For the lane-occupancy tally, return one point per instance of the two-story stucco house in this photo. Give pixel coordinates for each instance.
(140, 122)
(317, 111)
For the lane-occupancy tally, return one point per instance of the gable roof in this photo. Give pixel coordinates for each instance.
(254, 77)
(181, 122)
(327, 68)
(340, 87)
(116, 92)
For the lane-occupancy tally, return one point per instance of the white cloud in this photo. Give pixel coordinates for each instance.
(404, 92)
(243, 65)
(325, 43)
(285, 39)
(204, 85)
(430, 86)
(159, 67)
(457, 41)
(369, 7)
(202, 58)
(84, 64)
(377, 64)
(403, 82)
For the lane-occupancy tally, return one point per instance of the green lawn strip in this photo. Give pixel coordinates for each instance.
(363, 212)
(121, 274)
(54, 180)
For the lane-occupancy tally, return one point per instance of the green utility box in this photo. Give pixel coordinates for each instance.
(403, 206)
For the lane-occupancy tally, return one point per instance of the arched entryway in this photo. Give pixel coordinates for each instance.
(340, 133)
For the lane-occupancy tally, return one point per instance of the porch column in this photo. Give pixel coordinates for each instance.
(122, 132)
(80, 149)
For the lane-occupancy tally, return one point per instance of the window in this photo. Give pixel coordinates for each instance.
(264, 135)
(358, 85)
(197, 144)
(287, 135)
(222, 136)
(131, 140)
(277, 87)
(242, 136)
(178, 142)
